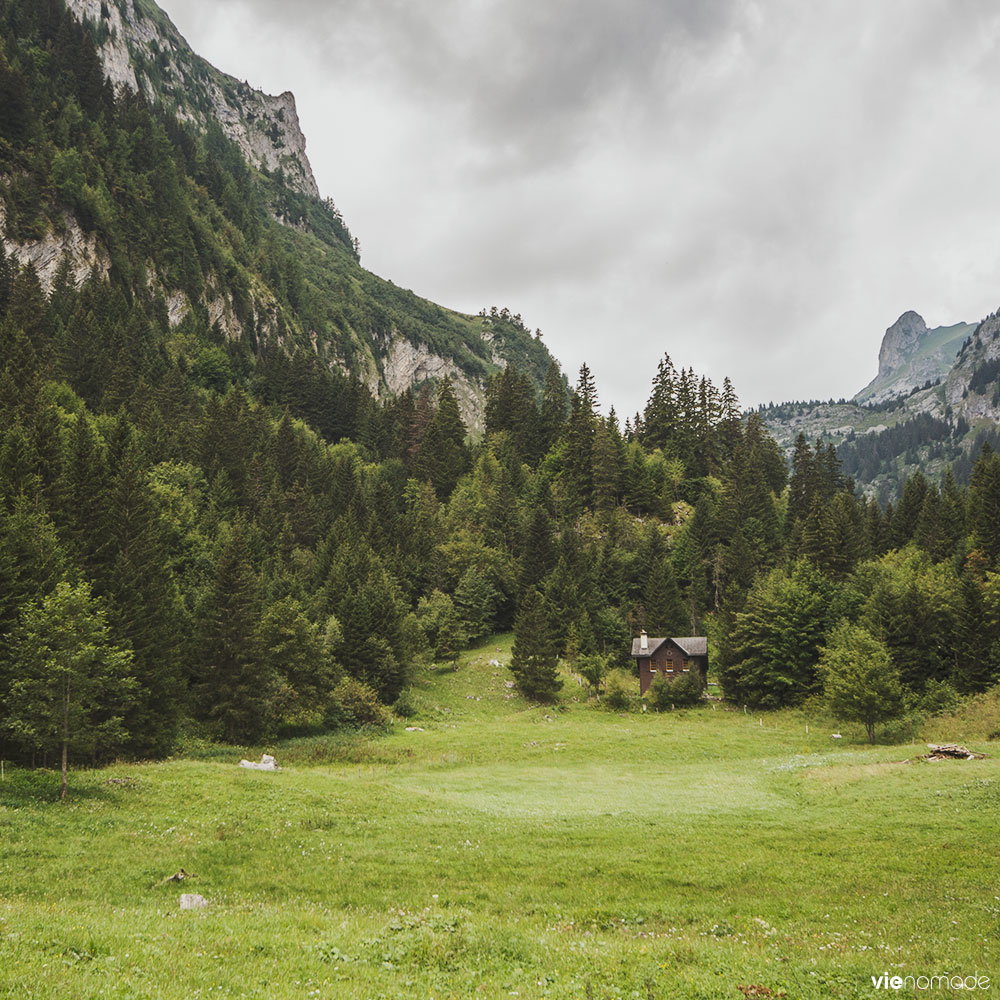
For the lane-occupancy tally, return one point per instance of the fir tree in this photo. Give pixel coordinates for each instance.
(534, 659)
(237, 687)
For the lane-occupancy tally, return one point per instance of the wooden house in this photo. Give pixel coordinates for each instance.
(669, 658)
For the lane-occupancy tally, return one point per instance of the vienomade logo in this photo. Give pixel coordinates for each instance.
(941, 981)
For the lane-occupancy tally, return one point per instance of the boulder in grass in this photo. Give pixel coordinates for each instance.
(192, 901)
(267, 763)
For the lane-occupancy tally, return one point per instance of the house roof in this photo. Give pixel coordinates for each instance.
(693, 645)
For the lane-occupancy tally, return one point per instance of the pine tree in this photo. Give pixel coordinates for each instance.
(534, 659)
(146, 607)
(818, 538)
(537, 551)
(442, 457)
(292, 651)
(984, 505)
(579, 453)
(803, 485)
(236, 689)
(554, 408)
(609, 458)
(907, 514)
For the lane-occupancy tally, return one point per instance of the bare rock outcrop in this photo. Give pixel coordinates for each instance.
(408, 365)
(82, 251)
(265, 128)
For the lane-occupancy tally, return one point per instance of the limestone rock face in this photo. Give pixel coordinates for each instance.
(900, 342)
(912, 356)
(83, 252)
(265, 128)
(409, 364)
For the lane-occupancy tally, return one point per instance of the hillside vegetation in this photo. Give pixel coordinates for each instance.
(226, 533)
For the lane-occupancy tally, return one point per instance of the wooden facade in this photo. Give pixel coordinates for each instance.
(669, 658)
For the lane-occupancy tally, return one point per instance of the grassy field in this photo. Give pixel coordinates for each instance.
(504, 850)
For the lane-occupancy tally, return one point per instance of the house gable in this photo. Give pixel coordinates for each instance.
(669, 658)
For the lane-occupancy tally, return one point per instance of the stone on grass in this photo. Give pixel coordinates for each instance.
(267, 763)
(192, 901)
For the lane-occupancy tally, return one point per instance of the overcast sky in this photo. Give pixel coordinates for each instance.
(759, 189)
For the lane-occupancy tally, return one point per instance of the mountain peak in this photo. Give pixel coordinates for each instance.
(142, 50)
(912, 355)
(899, 343)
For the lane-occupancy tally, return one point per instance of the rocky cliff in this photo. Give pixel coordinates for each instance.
(911, 355)
(141, 49)
(293, 278)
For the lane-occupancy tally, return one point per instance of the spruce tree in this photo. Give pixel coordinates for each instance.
(984, 505)
(237, 687)
(534, 658)
(442, 457)
(553, 410)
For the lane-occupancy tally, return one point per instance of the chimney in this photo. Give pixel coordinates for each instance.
(643, 641)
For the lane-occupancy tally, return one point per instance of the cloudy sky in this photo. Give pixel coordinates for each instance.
(757, 188)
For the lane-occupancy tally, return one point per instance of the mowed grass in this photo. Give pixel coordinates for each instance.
(505, 850)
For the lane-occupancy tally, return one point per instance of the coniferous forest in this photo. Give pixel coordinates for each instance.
(232, 536)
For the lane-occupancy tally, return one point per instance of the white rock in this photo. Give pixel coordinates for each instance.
(192, 901)
(267, 763)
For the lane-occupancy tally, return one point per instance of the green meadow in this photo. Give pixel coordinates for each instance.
(503, 850)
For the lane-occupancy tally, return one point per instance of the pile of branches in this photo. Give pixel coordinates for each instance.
(951, 751)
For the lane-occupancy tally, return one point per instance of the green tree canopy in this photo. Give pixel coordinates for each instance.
(859, 680)
(73, 683)
(534, 657)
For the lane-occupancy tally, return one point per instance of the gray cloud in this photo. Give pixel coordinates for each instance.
(759, 188)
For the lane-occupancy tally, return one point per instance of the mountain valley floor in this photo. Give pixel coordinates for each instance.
(490, 848)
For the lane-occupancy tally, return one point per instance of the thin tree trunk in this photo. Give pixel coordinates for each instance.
(65, 742)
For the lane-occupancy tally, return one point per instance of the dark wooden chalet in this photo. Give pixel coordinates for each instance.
(669, 658)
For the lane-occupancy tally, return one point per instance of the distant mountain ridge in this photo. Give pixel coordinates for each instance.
(935, 399)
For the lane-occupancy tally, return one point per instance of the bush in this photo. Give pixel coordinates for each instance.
(619, 692)
(353, 703)
(592, 669)
(685, 691)
(938, 696)
(404, 706)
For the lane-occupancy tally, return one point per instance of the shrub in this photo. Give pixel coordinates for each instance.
(938, 696)
(619, 692)
(685, 691)
(592, 669)
(404, 706)
(353, 703)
